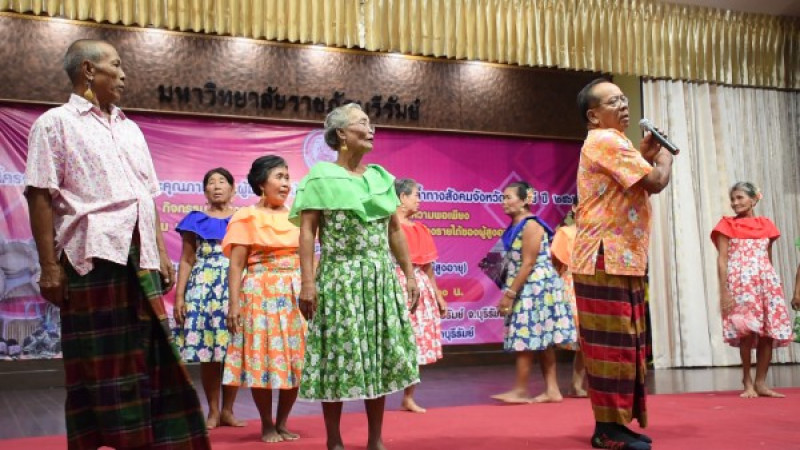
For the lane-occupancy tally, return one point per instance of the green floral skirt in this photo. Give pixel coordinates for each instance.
(360, 343)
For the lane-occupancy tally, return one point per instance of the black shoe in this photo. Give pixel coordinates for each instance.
(617, 442)
(635, 435)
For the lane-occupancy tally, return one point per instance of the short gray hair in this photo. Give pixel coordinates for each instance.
(404, 186)
(337, 119)
(80, 51)
(747, 187)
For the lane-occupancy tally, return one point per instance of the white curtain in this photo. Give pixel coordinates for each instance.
(726, 134)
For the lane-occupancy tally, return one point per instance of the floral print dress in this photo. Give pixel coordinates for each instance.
(756, 289)
(360, 342)
(268, 353)
(426, 319)
(204, 336)
(541, 316)
(760, 306)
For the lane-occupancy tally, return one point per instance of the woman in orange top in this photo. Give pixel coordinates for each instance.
(426, 320)
(268, 346)
(561, 252)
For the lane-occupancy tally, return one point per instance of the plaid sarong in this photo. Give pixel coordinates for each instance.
(126, 386)
(612, 336)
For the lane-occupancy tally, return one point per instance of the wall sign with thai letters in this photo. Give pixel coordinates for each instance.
(388, 106)
(190, 73)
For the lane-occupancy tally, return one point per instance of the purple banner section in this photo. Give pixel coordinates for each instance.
(462, 178)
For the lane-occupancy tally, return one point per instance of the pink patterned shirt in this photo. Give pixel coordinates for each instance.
(613, 211)
(102, 182)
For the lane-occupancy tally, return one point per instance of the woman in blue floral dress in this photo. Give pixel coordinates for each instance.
(360, 341)
(201, 295)
(537, 315)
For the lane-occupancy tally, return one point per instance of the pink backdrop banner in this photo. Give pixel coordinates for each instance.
(462, 177)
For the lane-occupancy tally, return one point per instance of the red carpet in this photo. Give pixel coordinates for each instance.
(686, 421)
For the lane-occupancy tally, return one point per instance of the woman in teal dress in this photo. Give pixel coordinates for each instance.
(201, 295)
(538, 317)
(360, 341)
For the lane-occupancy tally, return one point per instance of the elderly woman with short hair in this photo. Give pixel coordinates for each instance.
(427, 319)
(268, 329)
(360, 341)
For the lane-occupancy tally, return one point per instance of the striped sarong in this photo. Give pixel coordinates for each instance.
(612, 337)
(126, 387)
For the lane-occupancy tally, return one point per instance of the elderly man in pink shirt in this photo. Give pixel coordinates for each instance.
(90, 185)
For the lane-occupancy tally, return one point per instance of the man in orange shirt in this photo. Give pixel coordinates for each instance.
(609, 259)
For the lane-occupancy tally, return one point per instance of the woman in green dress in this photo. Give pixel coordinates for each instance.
(360, 342)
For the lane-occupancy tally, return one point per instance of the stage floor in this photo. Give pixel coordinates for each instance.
(39, 412)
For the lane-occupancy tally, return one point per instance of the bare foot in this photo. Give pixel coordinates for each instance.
(375, 445)
(513, 396)
(546, 397)
(212, 421)
(749, 392)
(335, 446)
(764, 391)
(410, 405)
(227, 419)
(579, 392)
(270, 435)
(286, 434)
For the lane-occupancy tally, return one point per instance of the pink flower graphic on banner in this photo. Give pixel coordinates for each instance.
(315, 149)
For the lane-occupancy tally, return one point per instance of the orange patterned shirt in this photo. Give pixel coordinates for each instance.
(611, 210)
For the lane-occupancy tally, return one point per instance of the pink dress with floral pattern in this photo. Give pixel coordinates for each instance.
(426, 320)
(755, 287)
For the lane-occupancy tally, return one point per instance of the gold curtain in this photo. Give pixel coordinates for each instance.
(328, 22)
(632, 37)
(629, 37)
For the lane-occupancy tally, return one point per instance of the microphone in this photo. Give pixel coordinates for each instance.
(645, 125)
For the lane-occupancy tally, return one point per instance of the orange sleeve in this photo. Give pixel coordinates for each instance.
(250, 226)
(561, 248)
(239, 231)
(615, 154)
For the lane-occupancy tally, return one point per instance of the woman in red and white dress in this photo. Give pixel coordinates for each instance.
(427, 317)
(754, 312)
